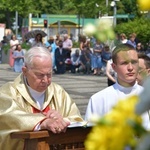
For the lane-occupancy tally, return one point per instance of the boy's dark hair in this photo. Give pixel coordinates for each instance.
(146, 59)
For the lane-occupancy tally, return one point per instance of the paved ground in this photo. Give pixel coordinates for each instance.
(79, 86)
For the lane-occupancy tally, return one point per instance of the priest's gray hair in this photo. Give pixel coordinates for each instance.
(36, 52)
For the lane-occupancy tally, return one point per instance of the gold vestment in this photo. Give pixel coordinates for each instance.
(16, 110)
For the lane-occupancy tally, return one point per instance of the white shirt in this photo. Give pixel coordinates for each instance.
(13, 42)
(124, 41)
(112, 72)
(102, 102)
(37, 96)
(67, 43)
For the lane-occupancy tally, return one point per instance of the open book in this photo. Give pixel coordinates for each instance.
(80, 124)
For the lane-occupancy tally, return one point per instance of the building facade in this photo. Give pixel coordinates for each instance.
(57, 24)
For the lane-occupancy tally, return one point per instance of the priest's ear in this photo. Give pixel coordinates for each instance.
(24, 70)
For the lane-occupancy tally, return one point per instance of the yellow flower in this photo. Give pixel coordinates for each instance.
(116, 129)
(144, 5)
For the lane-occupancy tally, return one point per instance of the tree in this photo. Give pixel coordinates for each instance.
(90, 9)
(85, 8)
(24, 7)
(9, 7)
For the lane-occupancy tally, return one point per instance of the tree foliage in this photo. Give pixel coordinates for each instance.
(24, 7)
(84, 8)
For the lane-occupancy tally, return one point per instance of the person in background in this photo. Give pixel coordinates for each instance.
(8, 33)
(93, 41)
(60, 57)
(75, 61)
(110, 73)
(144, 68)
(147, 51)
(13, 43)
(96, 59)
(125, 64)
(106, 55)
(67, 45)
(48, 46)
(116, 41)
(5, 41)
(139, 48)
(84, 42)
(85, 60)
(123, 38)
(18, 56)
(53, 46)
(33, 102)
(137, 40)
(58, 38)
(131, 40)
(72, 37)
(38, 41)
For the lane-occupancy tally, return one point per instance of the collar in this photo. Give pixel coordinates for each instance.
(126, 89)
(32, 91)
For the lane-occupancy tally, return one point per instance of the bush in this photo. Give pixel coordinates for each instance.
(6, 47)
(26, 46)
(76, 45)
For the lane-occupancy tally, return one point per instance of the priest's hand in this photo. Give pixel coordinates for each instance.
(54, 122)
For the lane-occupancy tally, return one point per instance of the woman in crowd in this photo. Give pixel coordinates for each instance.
(18, 56)
(13, 43)
(84, 43)
(96, 58)
(131, 40)
(110, 73)
(38, 41)
(139, 48)
(53, 46)
(123, 38)
(106, 55)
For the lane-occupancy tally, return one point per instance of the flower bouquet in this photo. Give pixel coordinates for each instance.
(102, 30)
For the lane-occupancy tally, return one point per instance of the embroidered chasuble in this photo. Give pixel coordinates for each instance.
(20, 112)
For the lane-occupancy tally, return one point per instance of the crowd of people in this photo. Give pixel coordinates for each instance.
(93, 56)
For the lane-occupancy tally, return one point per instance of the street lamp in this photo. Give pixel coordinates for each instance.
(99, 12)
(114, 5)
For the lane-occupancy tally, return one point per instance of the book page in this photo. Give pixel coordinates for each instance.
(80, 124)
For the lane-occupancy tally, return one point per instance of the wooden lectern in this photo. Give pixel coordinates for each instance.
(72, 139)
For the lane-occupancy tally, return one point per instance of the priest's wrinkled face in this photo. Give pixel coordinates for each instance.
(39, 75)
(126, 66)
